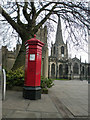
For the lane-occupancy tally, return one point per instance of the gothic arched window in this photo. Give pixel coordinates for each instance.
(75, 69)
(53, 70)
(54, 49)
(88, 70)
(66, 69)
(62, 50)
(60, 70)
(83, 70)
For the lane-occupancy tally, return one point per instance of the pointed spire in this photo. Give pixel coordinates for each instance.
(59, 38)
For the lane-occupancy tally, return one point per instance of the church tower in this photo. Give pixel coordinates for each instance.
(58, 61)
(59, 49)
(62, 67)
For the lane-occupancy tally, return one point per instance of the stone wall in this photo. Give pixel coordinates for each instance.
(8, 57)
(42, 36)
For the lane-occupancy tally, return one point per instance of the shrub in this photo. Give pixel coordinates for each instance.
(44, 91)
(46, 83)
(15, 78)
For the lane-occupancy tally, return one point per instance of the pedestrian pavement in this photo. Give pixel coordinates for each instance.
(66, 99)
(74, 95)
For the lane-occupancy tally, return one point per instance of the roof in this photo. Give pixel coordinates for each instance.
(75, 59)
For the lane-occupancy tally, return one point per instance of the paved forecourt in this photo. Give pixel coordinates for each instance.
(73, 94)
(66, 99)
(15, 106)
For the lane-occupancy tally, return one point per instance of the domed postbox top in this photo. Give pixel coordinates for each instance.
(34, 41)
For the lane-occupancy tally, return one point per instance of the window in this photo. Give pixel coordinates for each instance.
(60, 70)
(54, 49)
(75, 69)
(66, 69)
(53, 70)
(83, 70)
(62, 50)
(88, 70)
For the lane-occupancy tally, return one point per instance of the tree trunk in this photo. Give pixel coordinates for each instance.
(20, 60)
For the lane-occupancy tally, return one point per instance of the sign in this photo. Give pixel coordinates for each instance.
(62, 55)
(32, 56)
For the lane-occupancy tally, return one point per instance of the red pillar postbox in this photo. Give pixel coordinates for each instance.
(32, 89)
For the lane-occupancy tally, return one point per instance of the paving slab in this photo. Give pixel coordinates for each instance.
(19, 105)
(7, 112)
(51, 115)
(14, 100)
(77, 110)
(45, 104)
(24, 114)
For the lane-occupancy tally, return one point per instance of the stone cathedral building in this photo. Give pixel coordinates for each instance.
(60, 65)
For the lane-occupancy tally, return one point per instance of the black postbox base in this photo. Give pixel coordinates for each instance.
(32, 93)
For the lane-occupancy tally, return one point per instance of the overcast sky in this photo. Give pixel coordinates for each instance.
(71, 50)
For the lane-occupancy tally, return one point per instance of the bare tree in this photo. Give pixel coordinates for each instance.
(27, 17)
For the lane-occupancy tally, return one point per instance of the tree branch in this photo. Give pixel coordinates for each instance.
(15, 25)
(18, 12)
(52, 20)
(44, 20)
(33, 11)
(43, 8)
(27, 16)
